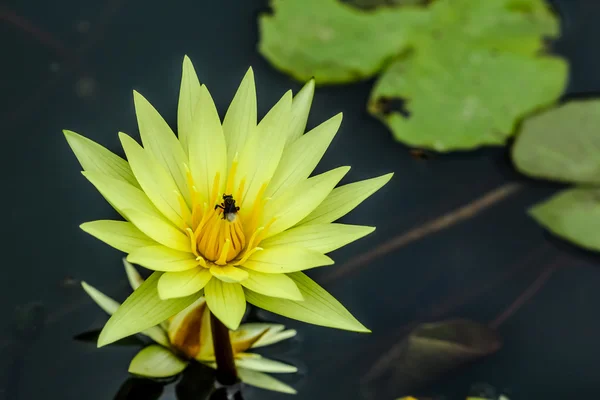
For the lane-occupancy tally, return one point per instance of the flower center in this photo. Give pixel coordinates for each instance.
(217, 226)
(222, 237)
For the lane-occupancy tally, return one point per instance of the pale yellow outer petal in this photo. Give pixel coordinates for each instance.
(110, 306)
(158, 138)
(183, 283)
(133, 276)
(103, 301)
(240, 120)
(264, 381)
(189, 93)
(143, 309)
(344, 199)
(161, 258)
(120, 194)
(270, 337)
(318, 306)
(264, 364)
(228, 273)
(299, 201)
(301, 157)
(275, 285)
(96, 158)
(319, 237)
(155, 181)
(285, 259)
(262, 151)
(155, 361)
(159, 229)
(300, 110)
(226, 301)
(121, 235)
(208, 151)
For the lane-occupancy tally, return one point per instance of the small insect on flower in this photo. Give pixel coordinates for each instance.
(229, 208)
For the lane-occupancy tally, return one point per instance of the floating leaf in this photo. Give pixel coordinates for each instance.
(331, 41)
(427, 353)
(156, 361)
(474, 73)
(561, 144)
(318, 306)
(142, 309)
(572, 214)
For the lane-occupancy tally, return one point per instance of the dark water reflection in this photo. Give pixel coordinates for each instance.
(73, 65)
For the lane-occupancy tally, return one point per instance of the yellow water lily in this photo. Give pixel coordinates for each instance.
(225, 210)
(187, 335)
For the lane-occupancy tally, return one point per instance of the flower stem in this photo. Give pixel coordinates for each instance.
(226, 372)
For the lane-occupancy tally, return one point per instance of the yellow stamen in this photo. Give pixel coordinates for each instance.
(248, 254)
(223, 258)
(240, 191)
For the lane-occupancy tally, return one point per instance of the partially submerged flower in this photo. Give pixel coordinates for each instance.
(187, 335)
(225, 210)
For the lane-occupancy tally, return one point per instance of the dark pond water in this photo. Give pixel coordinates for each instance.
(73, 64)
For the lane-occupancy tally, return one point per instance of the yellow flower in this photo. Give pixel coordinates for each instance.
(187, 335)
(226, 210)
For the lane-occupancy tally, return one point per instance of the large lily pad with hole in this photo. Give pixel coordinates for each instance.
(561, 144)
(332, 41)
(572, 214)
(473, 74)
(458, 97)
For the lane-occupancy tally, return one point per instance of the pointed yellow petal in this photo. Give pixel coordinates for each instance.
(103, 301)
(285, 259)
(301, 157)
(183, 283)
(208, 151)
(189, 93)
(318, 307)
(228, 273)
(96, 158)
(133, 276)
(240, 119)
(263, 150)
(319, 237)
(245, 336)
(121, 235)
(264, 381)
(274, 285)
(161, 258)
(264, 364)
(300, 110)
(274, 337)
(299, 201)
(154, 180)
(159, 229)
(226, 301)
(269, 333)
(158, 138)
(120, 194)
(142, 310)
(155, 361)
(344, 199)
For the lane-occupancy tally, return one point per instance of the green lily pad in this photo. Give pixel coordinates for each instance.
(332, 41)
(459, 98)
(561, 144)
(474, 73)
(572, 214)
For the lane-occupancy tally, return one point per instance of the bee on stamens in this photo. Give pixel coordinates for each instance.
(229, 208)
